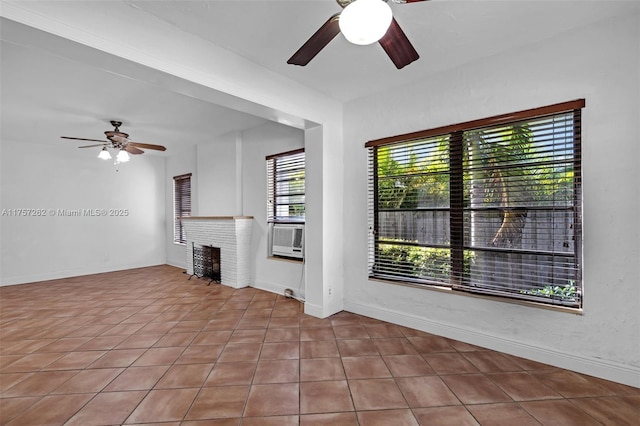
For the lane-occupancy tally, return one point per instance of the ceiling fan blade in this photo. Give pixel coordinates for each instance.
(316, 42)
(83, 139)
(398, 46)
(92, 146)
(147, 146)
(133, 150)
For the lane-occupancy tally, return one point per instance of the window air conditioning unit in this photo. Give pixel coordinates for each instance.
(288, 240)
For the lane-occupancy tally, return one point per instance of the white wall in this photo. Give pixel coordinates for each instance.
(272, 138)
(38, 176)
(599, 63)
(178, 164)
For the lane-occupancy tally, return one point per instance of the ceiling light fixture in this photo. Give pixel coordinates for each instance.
(365, 21)
(104, 154)
(122, 157)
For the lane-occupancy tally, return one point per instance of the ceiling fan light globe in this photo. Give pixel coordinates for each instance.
(123, 156)
(365, 21)
(104, 154)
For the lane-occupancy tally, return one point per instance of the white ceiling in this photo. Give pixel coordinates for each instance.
(46, 95)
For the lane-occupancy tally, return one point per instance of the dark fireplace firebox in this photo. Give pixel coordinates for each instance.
(206, 262)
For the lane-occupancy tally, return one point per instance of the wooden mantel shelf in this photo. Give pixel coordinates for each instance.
(216, 217)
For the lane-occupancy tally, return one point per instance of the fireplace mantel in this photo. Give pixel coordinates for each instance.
(232, 234)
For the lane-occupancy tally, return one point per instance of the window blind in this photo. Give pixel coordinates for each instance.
(181, 205)
(491, 206)
(286, 187)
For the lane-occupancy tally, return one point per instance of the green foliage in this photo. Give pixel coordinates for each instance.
(567, 292)
(418, 262)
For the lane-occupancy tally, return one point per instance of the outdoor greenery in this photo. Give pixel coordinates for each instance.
(567, 292)
(418, 262)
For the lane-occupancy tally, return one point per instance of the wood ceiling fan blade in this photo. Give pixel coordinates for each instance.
(83, 139)
(133, 150)
(92, 146)
(147, 146)
(398, 46)
(316, 42)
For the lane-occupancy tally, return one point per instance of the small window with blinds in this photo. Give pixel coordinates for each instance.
(491, 206)
(286, 187)
(181, 205)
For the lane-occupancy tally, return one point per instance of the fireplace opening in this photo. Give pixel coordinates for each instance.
(206, 262)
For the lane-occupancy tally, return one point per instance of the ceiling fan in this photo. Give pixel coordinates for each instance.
(118, 140)
(394, 41)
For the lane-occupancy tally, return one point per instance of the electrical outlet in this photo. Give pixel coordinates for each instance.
(329, 291)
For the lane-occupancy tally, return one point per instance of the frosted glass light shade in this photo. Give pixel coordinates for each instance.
(365, 21)
(122, 157)
(104, 154)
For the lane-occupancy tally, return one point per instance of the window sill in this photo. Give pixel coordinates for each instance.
(285, 259)
(528, 303)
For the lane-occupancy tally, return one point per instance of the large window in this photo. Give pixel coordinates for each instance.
(491, 206)
(286, 186)
(181, 205)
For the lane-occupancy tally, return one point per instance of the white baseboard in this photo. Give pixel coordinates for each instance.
(277, 288)
(608, 370)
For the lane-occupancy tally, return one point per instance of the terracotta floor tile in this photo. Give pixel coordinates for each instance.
(394, 346)
(139, 341)
(52, 410)
(325, 397)
(175, 339)
(359, 347)
(387, 418)
(33, 362)
(427, 344)
(137, 378)
(273, 400)
(163, 405)
(39, 383)
(89, 381)
(159, 356)
(75, 360)
(232, 373)
(570, 384)
(444, 416)
(351, 332)
(282, 335)
(312, 334)
(611, 410)
(475, 389)
(426, 392)
(280, 350)
(277, 371)
(376, 394)
(365, 367)
(558, 412)
(219, 337)
(107, 408)
(117, 358)
(503, 414)
(450, 363)
(236, 352)
(329, 419)
(522, 386)
(219, 402)
(148, 346)
(13, 407)
(319, 349)
(491, 361)
(271, 421)
(199, 354)
(315, 369)
(185, 376)
(407, 365)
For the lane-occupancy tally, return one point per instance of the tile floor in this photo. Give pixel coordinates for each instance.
(147, 346)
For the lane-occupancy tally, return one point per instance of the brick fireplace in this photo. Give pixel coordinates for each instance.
(232, 235)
